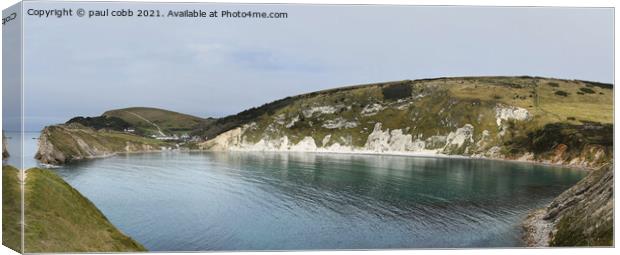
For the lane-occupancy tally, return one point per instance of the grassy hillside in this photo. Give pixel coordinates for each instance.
(438, 105)
(63, 143)
(11, 208)
(429, 110)
(57, 217)
(151, 121)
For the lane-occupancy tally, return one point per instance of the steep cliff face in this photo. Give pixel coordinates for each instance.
(581, 216)
(516, 118)
(60, 144)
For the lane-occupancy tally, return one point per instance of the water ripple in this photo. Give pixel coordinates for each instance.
(255, 201)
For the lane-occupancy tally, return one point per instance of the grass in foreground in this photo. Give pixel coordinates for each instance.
(57, 217)
(11, 208)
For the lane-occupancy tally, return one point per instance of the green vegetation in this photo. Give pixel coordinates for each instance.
(63, 143)
(396, 91)
(59, 219)
(576, 139)
(568, 235)
(587, 90)
(11, 208)
(553, 84)
(426, 108)
(150, 121)
(101, 122)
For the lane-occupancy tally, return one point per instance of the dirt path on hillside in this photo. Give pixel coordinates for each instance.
(148, 121)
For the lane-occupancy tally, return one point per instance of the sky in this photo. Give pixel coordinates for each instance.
(216, 67)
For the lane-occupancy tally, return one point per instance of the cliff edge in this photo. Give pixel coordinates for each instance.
(61, 144)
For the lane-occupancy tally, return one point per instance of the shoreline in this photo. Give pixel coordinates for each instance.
(425, 154)
(533, 228)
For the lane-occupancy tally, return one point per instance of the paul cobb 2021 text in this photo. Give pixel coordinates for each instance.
(94, 13)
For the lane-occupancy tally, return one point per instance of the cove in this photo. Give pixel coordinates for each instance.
(191, 201)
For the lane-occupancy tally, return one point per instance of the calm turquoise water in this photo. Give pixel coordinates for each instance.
(178, 201)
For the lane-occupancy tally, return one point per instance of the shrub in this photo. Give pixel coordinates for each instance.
(553, 84)
(591, 84)
(396, 91)
(562, 93)
(101, 122)
(587, 90)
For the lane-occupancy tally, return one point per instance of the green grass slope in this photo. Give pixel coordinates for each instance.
(59, 219)
(147, 120)
(11, 208)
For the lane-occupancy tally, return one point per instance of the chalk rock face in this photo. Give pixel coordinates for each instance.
(394, 141)
(435, 142)
(292, 122)
(398, 141)
(504, 112)
(486, 135)
(306, 144)
(459, 140)
(327, 109)
(224, 141)
(326, 140)
(371, 109)
(339, 123)
(378, 140)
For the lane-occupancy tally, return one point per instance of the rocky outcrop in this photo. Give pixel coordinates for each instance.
(5, 146)
(61, 144)
(379, 141)
(392, 141)
(225, 141)
(508, 112)
(458, 141)
(339, 123)
(581, 216)
(570, 146)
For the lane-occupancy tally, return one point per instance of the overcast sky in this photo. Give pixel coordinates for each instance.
(216, 67)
